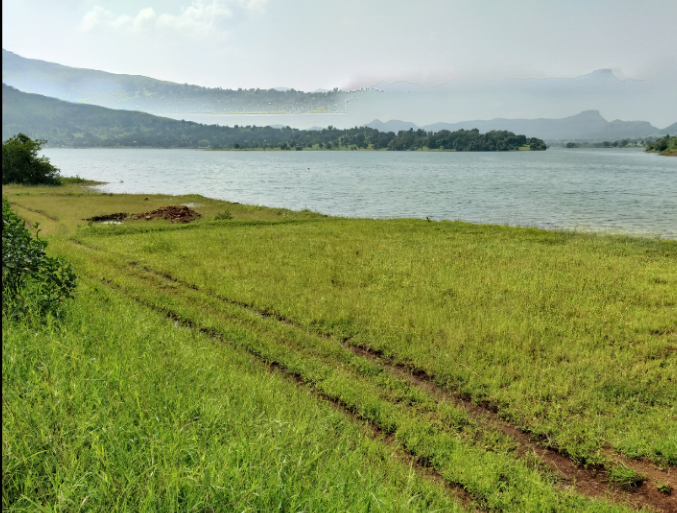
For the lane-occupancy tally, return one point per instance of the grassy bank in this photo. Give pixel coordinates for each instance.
(408, 327)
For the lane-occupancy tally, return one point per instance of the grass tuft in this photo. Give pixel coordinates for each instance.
(625, 477)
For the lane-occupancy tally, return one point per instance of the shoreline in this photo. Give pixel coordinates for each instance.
(130, 201)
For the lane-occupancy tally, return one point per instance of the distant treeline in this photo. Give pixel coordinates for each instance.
(177, 98)
(665, 146)
(622, 143)
(75, 125)
(369, 138)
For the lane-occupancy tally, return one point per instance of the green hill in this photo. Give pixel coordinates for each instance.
(136, 92)
(70, 124)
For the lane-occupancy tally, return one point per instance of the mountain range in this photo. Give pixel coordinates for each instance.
(588, 125)
(76, 125)
(512, 98)
(69, 124)
(413, 101)
(136, 92)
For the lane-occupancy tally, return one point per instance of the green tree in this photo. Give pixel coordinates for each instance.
(21, 163)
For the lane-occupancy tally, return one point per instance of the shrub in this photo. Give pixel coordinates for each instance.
(31, 279)
(223, 216)
(21, 163)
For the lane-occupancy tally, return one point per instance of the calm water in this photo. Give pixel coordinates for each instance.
(603, 190)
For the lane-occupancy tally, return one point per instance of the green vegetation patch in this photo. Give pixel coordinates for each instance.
(665, 146)
(569, 337)
(118, 410)
(32, 282)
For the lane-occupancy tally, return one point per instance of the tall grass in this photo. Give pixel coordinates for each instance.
(116, 409)
(572, 337)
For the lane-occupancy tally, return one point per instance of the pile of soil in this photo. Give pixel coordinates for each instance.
(173, 213)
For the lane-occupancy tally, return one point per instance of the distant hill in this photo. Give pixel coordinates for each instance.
(76, 125)
(394, 125)
(671, 130)
(136, 92)
(588, 125)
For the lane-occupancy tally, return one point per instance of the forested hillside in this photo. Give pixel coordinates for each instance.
(136, 92)
(76, 125)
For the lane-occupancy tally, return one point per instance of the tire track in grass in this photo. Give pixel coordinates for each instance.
(589, 482)
(592, 482)
(372, 430)
(35, 211)
(471, 464)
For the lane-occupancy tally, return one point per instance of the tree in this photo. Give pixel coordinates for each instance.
(571, 145)
(21, 163)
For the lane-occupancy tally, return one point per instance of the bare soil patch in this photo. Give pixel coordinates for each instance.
(172, 213)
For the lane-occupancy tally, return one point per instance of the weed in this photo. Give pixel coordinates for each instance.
(664, 488)
(223, 216)
(625, 477)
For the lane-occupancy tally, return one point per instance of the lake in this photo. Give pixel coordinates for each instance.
(610, 190)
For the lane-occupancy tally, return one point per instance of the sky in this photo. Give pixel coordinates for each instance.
(310, 44)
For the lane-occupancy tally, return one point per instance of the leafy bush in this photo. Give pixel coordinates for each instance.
(21, 163)
(223, 216)
(31, 279)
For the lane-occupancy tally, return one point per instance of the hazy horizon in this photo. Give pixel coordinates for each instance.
(465, 54)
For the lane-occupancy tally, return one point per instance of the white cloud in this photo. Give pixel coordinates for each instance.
(143, 21)
(203, 18)
(96, 16)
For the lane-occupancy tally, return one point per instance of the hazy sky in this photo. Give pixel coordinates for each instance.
(309, 44)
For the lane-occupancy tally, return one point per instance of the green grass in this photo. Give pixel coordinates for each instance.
(77, 180)
(570, 337)
(625, 477)
(118, 410)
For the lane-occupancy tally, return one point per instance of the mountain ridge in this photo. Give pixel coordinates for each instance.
(587, 125)
(138, 92)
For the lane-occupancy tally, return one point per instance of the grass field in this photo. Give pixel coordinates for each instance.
(487, 367)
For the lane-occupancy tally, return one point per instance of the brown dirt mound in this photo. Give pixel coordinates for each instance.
(173, 213)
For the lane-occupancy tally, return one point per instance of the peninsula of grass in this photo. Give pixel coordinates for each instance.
(264, 359)
(666, 146)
